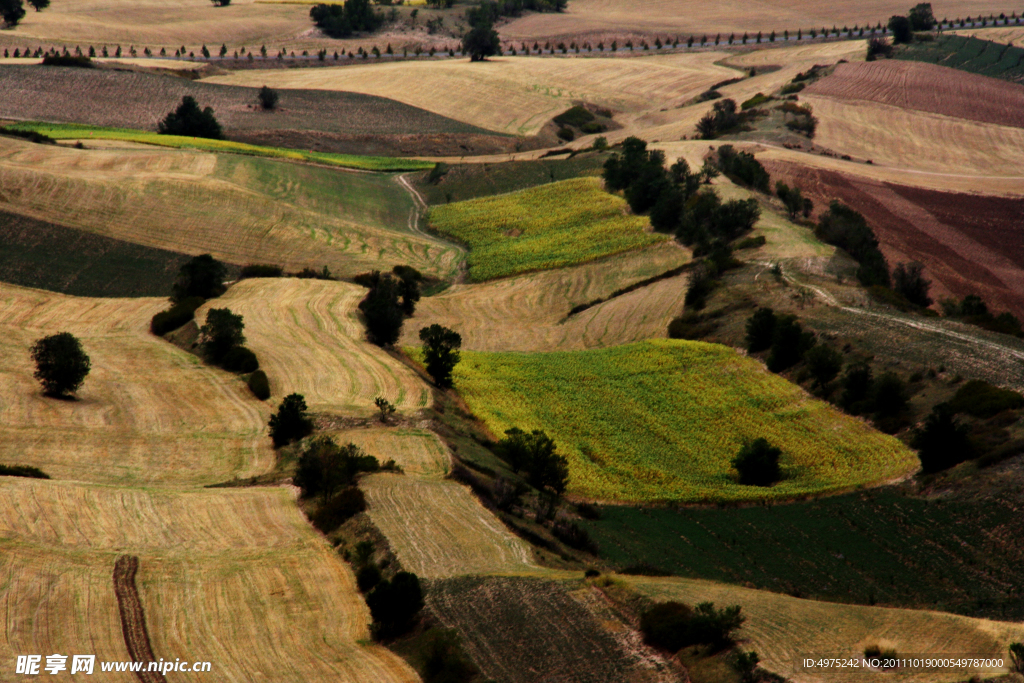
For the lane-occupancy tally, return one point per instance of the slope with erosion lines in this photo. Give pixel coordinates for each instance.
(309, 340)
(783, 630)
(528, 312)
(531, 90)
(926, 87)
(969, 243)
(147, 413)
(663, 419)
(188, 202)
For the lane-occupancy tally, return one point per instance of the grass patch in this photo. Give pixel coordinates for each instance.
(880, 547)
(470, 181)
(662, 419)
(75, 131)
(552, 226)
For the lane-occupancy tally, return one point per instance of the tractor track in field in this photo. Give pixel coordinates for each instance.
(133, 618)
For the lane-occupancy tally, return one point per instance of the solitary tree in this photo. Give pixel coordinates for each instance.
(201, 276)
(480, 43)
(824, 362)
(440, 351)
(921, 17)
(12, 11)
(61, 364)
(221, 333)
(758, 463)
(536, 453)
(290, 422)
(386, 408)
(908, 279)
(901, 29)
(221, 3)
(268, 98)
(39, 5)
(189, 120)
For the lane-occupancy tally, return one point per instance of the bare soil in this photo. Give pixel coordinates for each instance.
(133, 619)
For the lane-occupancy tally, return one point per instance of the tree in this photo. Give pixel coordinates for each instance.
(921, 17)
(760, 330)
(39, 5)
(341, 21)
(942, 442)
(61, 364)
(221, 332)
(758, 463)
(824, 363)
(440, 351)
(889, 395)
(789, 344)
(381, 308)
(481, 42)
(878, 46)
(325, 467)
(201, 276)
(409, 287)
(290, 422)
(908, 280)
(1017, 658)
(393, 604)
(12, 12)
(386, 408)
(268, 98)
(221, 3)
(536, 453)
(191, 121)
(901, 29)
(857, 388)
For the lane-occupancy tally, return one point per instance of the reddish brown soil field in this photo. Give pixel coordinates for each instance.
(927, 87)
(970, 244)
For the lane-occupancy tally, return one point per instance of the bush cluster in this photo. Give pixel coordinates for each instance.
(392, 297)
(672, 626)
(290, 422)
(176, 316)
(847, 229)
(341, 21)
(22, 471)
(394, 605)
(537, 454)
(259, 385)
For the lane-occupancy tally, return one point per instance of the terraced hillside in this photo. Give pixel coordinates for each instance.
(193, 202)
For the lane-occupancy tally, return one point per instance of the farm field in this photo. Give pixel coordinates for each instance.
(419, 452)
(531, 89)
(189, 206)
(970, 243)
(947, 553)
(309, 340)
(549, 628)
(783, 630)
(149, 412)
(49, 256)
(661, 420)
(550, 226)
(925, 87)
(982, 51)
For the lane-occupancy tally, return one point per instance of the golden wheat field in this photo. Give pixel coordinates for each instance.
(309, 340)
(196, 202)
(531, 90)
(148, 412)
(526, 313)
(783, 630)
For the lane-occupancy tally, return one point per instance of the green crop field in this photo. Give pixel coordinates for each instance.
(951, 553)
(550, 226)
(662, 419)
(968, 53)
(73, 131)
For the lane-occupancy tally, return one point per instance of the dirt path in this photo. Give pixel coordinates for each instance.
(133, 619)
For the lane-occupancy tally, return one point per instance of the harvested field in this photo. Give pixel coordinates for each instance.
(438, 529)
(49, 256)
(336, 370)
(662, 420)
(917, 141)
(549, 226)
(970, 244)
(529, 312)
(783, 630)
(927, 88)
(193, 202)
(417, 451)
(532, 90)
(148, 412)
(524, 630)
(590, 18)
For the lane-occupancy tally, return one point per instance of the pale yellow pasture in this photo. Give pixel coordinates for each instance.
(783, 630)
(530, 90)
(309, 340)
(417, 451)
(147, 413)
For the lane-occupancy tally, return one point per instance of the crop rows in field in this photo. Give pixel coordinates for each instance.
(946, 554)
(662, 420)
(191, 202)
(784, 630)
(550, 226)
(970, 53)
(417, 451)
(147, 413)
(74, 131)
(520, 630)
(310, 341)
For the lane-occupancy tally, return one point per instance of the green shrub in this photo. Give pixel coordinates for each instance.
(566, 134)
(368, 577)
(942, 442)
(260, 270)
(791, 88)
(981, 399)
(577, 117)
(750, 243)
(336, 511)
(760, 330)
(68, 60)
(574, 536)
(673, 626)
(758, 463)
(743, 168)
(290, 422)
(394, 604)
(176, 316)
(240, 359)
(593, 127)
(758, 99)
(22, 471)
(444, 660)
(259, 385)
